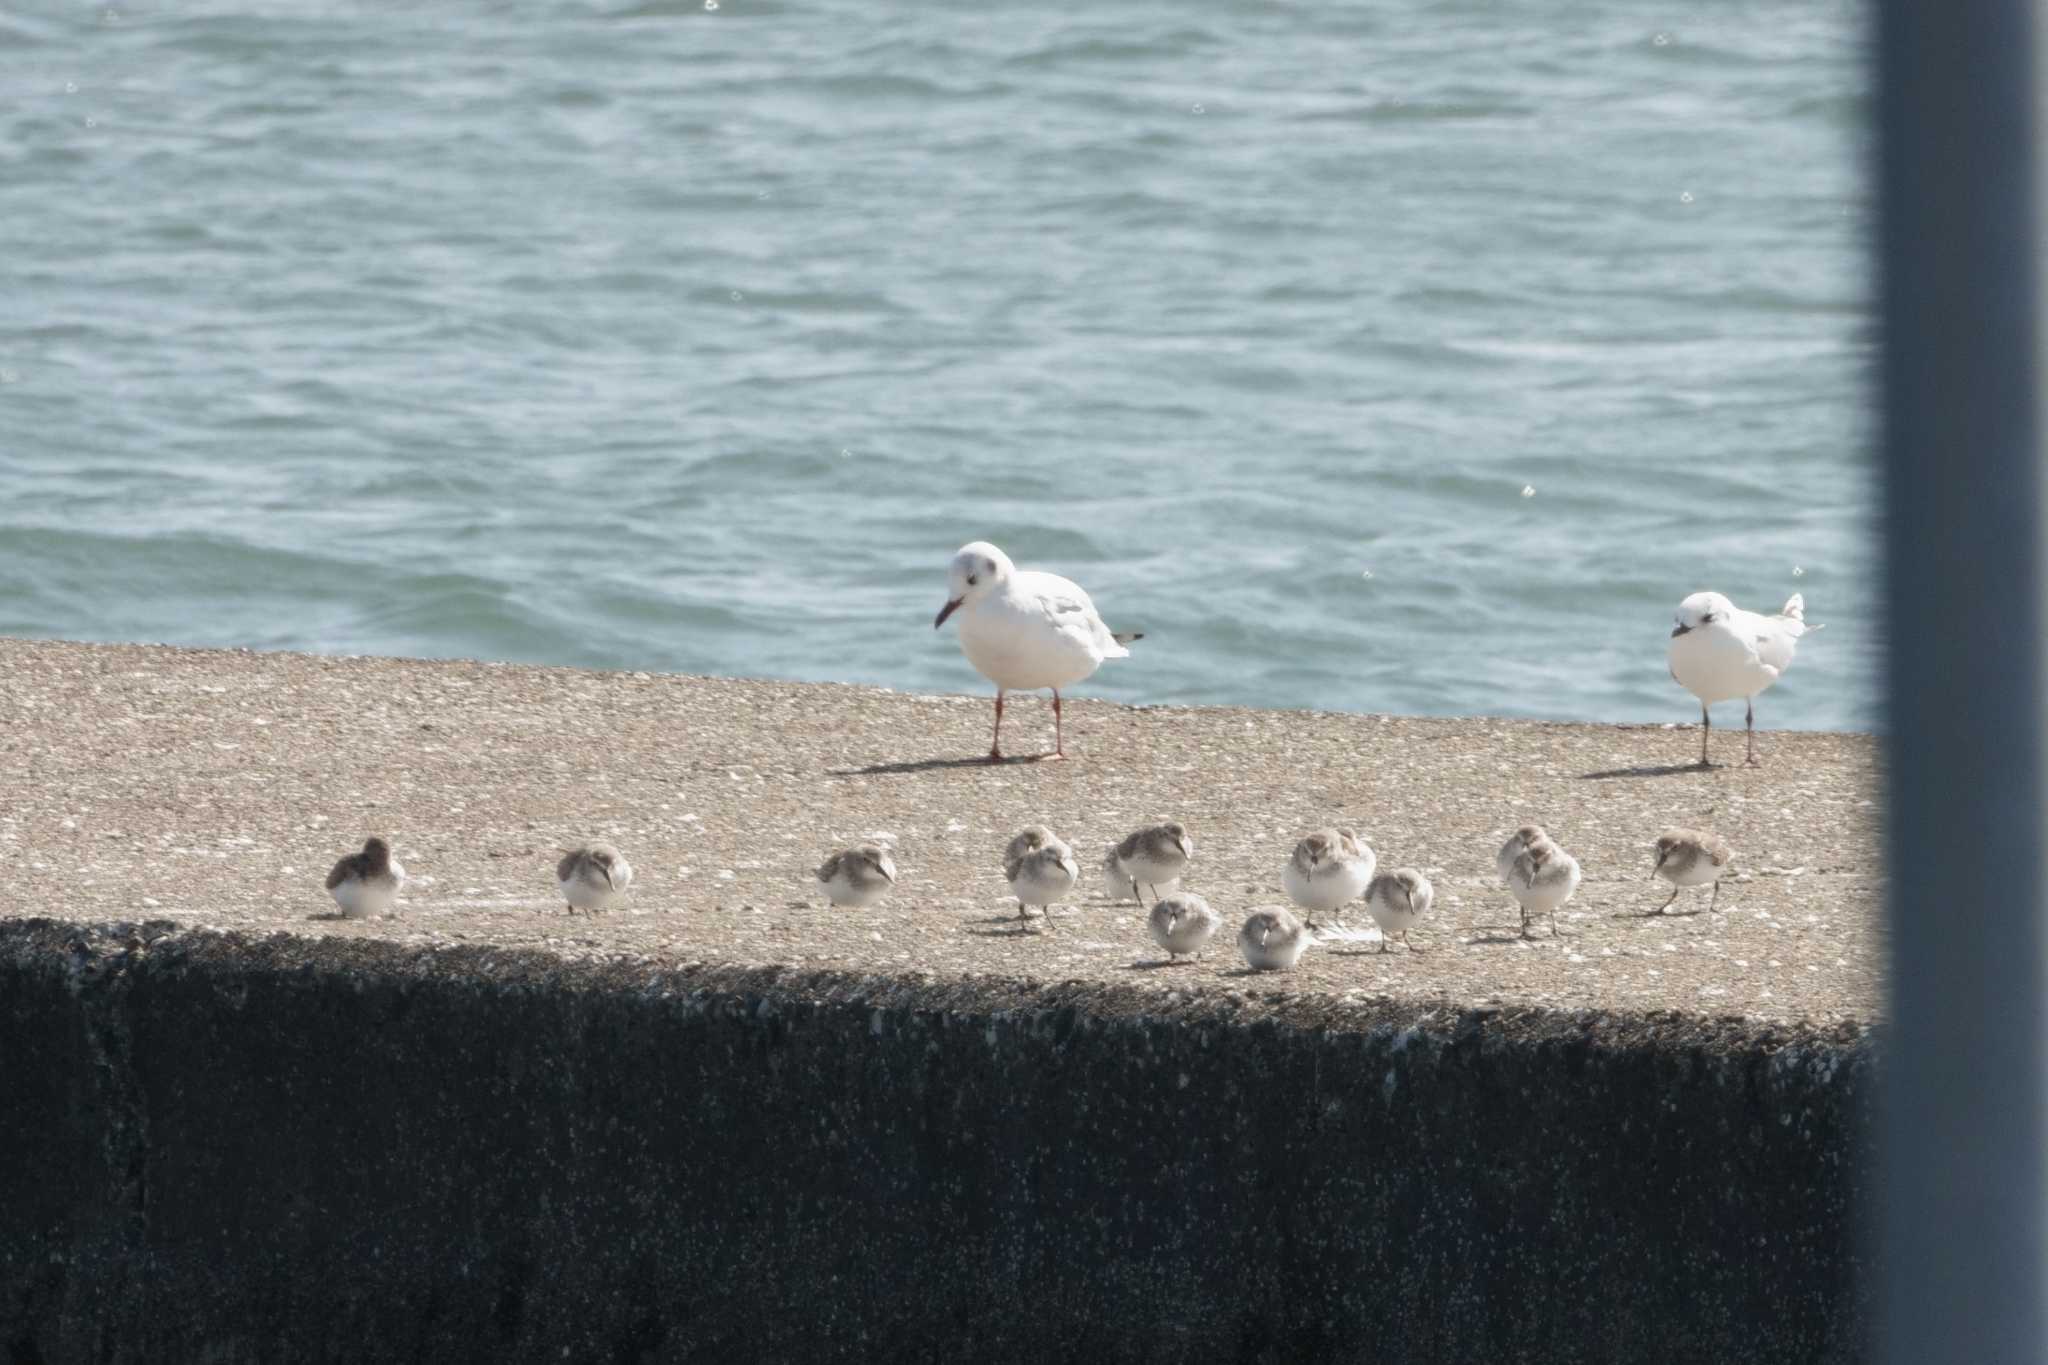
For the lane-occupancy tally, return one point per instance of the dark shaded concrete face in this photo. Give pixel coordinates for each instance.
(221, 786)
(275, 1148)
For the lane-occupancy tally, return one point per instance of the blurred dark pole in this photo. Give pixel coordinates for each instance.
(1964, 1144)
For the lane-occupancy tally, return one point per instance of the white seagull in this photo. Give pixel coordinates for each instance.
(1022, 628)
(1720, 652)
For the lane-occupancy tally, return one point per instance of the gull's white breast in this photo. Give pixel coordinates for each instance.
(1038, 630)
(1720, 662)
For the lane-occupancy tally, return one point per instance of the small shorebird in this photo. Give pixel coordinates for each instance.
(1397, 900)
(1155, 856)
(1040, 869)
(1543, 879)
(858, 877)
(1272, 940)
(1182, 924)
(365, 884)
(1025, 629)
(592, 876)
(1720, 652)
(1689, 857)
(1329, 869)
(1115, 884)
(1528, 836)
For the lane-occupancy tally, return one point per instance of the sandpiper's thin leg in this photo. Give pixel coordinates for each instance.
(1714, 898)
(995, 748)
(1749, 725)
(1667, 904)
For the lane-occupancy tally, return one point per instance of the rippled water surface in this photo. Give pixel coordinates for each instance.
(1368, 356)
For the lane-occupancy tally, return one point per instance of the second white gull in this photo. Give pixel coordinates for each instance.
(1720, 652)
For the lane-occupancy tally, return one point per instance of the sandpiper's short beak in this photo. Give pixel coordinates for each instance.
(1677, 631)
(946, 611)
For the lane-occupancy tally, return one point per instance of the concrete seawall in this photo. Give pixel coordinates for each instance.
(729, 1124)
(230, 1148)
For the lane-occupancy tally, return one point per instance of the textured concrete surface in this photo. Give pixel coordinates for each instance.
(233, 1148)
(216, 788)
(731, 1123)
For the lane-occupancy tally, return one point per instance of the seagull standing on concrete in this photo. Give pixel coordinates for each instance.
(1022, 628)
(1720, 652)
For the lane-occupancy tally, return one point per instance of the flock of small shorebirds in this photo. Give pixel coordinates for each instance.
(1027, 629)
(1329, 870)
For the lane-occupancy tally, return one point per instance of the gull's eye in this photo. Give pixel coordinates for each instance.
(972, 579)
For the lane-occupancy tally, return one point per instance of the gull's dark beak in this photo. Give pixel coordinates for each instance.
(946, 611)
(1677, 631)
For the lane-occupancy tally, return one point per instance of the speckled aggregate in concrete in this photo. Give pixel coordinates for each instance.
(216, 788)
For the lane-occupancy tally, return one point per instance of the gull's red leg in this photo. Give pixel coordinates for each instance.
(995, 748)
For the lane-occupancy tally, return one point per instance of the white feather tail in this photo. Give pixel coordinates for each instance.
(1794, 612)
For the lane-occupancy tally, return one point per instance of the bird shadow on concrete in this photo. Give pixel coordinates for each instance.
(926, 765)
(1006, 926)
(1651, 770)
(1157, 963)
(1516, 936)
